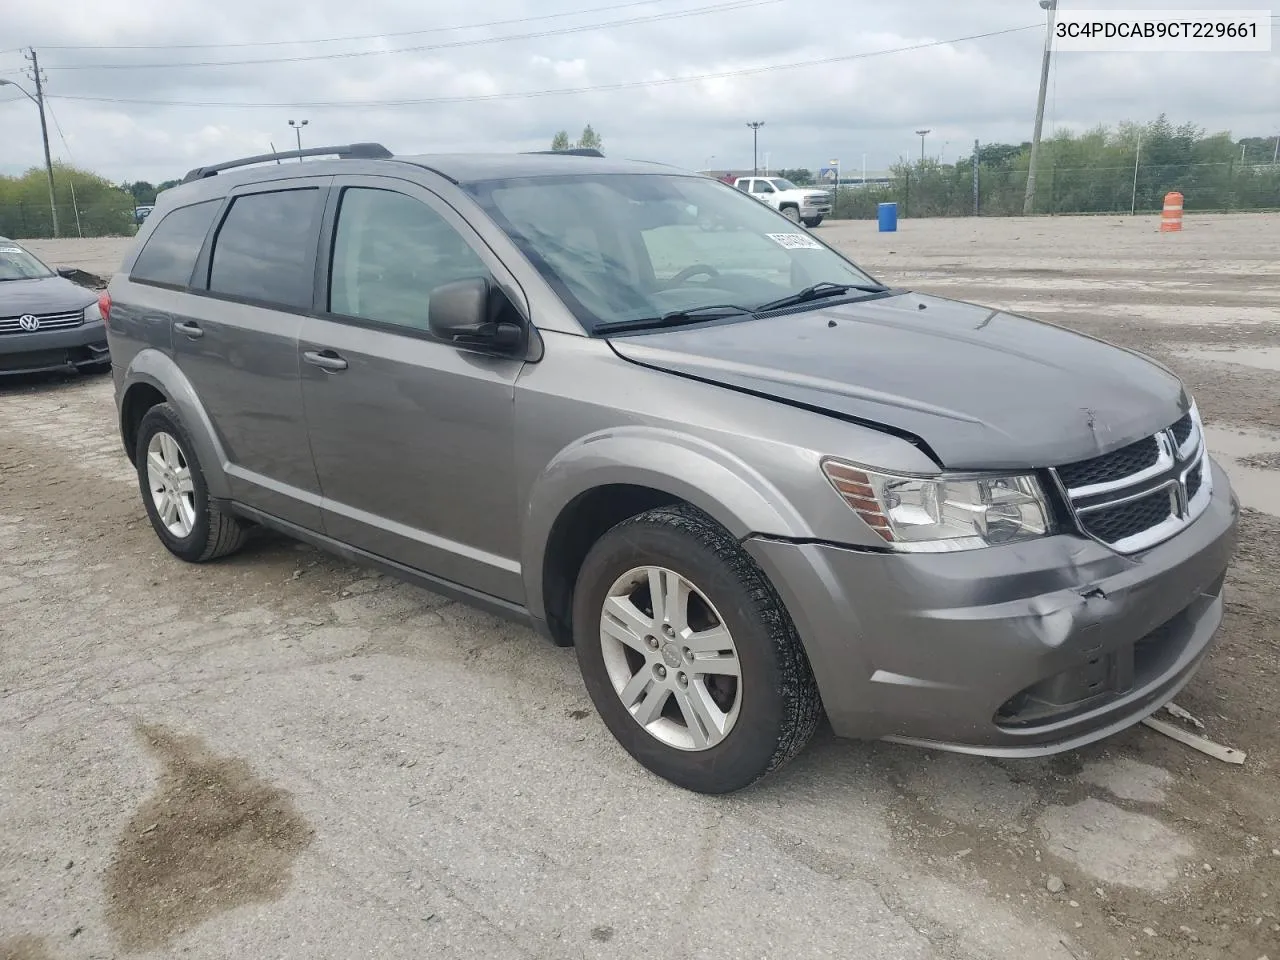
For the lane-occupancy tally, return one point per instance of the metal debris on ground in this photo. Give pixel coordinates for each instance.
(1195, 742)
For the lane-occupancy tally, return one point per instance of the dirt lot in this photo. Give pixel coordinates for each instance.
(285, 756)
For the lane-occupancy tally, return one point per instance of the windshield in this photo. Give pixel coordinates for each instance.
(17, 264)
(781, 184)
(631, 247)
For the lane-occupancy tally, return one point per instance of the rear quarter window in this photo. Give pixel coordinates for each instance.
(170, 252)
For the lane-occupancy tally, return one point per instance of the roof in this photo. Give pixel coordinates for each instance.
(473, 167)
(212, 182)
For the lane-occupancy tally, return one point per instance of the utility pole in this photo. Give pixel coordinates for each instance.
(755, 126)
(1029, 204)
(44, 134)
(1137, 156)
(975, 178)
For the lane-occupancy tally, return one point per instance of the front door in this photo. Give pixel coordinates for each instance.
(412, 437)
(237, 342)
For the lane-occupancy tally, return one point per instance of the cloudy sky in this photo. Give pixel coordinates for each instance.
(465, 85)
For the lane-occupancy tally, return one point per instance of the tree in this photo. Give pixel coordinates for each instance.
(142, 191)
(800, 176)
(86, 203)
(560, 141)
(590, 140)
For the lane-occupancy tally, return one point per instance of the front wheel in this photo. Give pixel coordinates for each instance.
(175, 494)
(791, 213)
(812, 222)
(688, 653)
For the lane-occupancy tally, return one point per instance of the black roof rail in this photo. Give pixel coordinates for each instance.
(575, 152)
(348, 151)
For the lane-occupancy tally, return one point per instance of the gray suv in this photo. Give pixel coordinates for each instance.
(652, 418)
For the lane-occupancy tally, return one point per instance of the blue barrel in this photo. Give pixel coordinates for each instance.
(888, 217)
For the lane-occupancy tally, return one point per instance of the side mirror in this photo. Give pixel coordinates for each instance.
(68, 272)
(466, 312)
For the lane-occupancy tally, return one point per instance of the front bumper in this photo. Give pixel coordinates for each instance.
(1023, 650)
(53, 350)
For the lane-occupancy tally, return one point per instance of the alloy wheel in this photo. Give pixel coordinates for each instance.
(172, 490)
(670, 658)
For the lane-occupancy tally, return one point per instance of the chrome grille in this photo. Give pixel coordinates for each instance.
(1137, 496)
(44, 321)
(1112, 466)
(1123, 520)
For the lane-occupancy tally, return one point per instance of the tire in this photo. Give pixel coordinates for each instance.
(769, 711)
(209, 533)
(812, 222)
(791, 213)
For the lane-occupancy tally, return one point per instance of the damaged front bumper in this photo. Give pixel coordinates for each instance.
(1021, 650)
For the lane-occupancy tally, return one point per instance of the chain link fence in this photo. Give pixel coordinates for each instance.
(934, 190)
(108, 217)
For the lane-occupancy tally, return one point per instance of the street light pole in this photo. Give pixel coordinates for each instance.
(1029, 203)
(38, 100)
(755, 126)
(297, 129)
(922, 134)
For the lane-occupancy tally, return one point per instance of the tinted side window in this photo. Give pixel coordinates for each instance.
(389, 252)
(265, 248)
(170, 253)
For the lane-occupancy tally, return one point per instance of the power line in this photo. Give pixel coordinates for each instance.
(732, 5)
(367, 36)
(529, 94)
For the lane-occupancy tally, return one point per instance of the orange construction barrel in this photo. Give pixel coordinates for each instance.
(1171, 217)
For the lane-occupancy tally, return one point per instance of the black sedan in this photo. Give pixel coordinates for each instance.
(47, 323)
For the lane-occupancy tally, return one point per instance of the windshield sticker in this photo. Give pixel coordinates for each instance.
(9, 250)
(794, 241)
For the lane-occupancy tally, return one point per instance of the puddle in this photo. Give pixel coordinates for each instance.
(1260, 358)
(1256, 485)
(213, 836)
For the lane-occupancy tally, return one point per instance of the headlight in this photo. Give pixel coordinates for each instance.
(948, 512)
(92, 313)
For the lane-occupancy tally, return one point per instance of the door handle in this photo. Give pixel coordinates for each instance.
(325, 360)
(189, 329)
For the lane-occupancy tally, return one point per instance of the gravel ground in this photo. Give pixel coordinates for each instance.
(283, 755)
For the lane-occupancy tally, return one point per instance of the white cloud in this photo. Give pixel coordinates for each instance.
(979, 89)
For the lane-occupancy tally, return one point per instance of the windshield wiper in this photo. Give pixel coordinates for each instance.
(675, 318)
(818, 291)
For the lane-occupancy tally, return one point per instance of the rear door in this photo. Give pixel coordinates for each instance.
(237, 341)
(413, 438)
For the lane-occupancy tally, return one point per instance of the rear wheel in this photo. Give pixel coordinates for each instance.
(175, 495)
(688, 654)
(791, 213)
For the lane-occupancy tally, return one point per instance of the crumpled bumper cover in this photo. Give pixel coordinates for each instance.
(1021, 650)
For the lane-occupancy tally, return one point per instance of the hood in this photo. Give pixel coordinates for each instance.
(983, 389)
(42, 295)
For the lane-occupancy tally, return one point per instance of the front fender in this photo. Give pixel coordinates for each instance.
(158, 370)
(720, 484)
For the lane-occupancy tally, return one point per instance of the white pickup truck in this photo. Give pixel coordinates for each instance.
(799, 204)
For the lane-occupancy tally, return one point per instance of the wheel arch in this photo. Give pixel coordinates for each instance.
(600, 481)
(152, 377)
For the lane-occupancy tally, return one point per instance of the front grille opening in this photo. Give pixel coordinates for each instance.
(1194, 479)
(1113, 466)
(1112, 524)
(1182, 429)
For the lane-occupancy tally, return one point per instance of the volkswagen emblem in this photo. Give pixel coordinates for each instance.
(28, 322)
